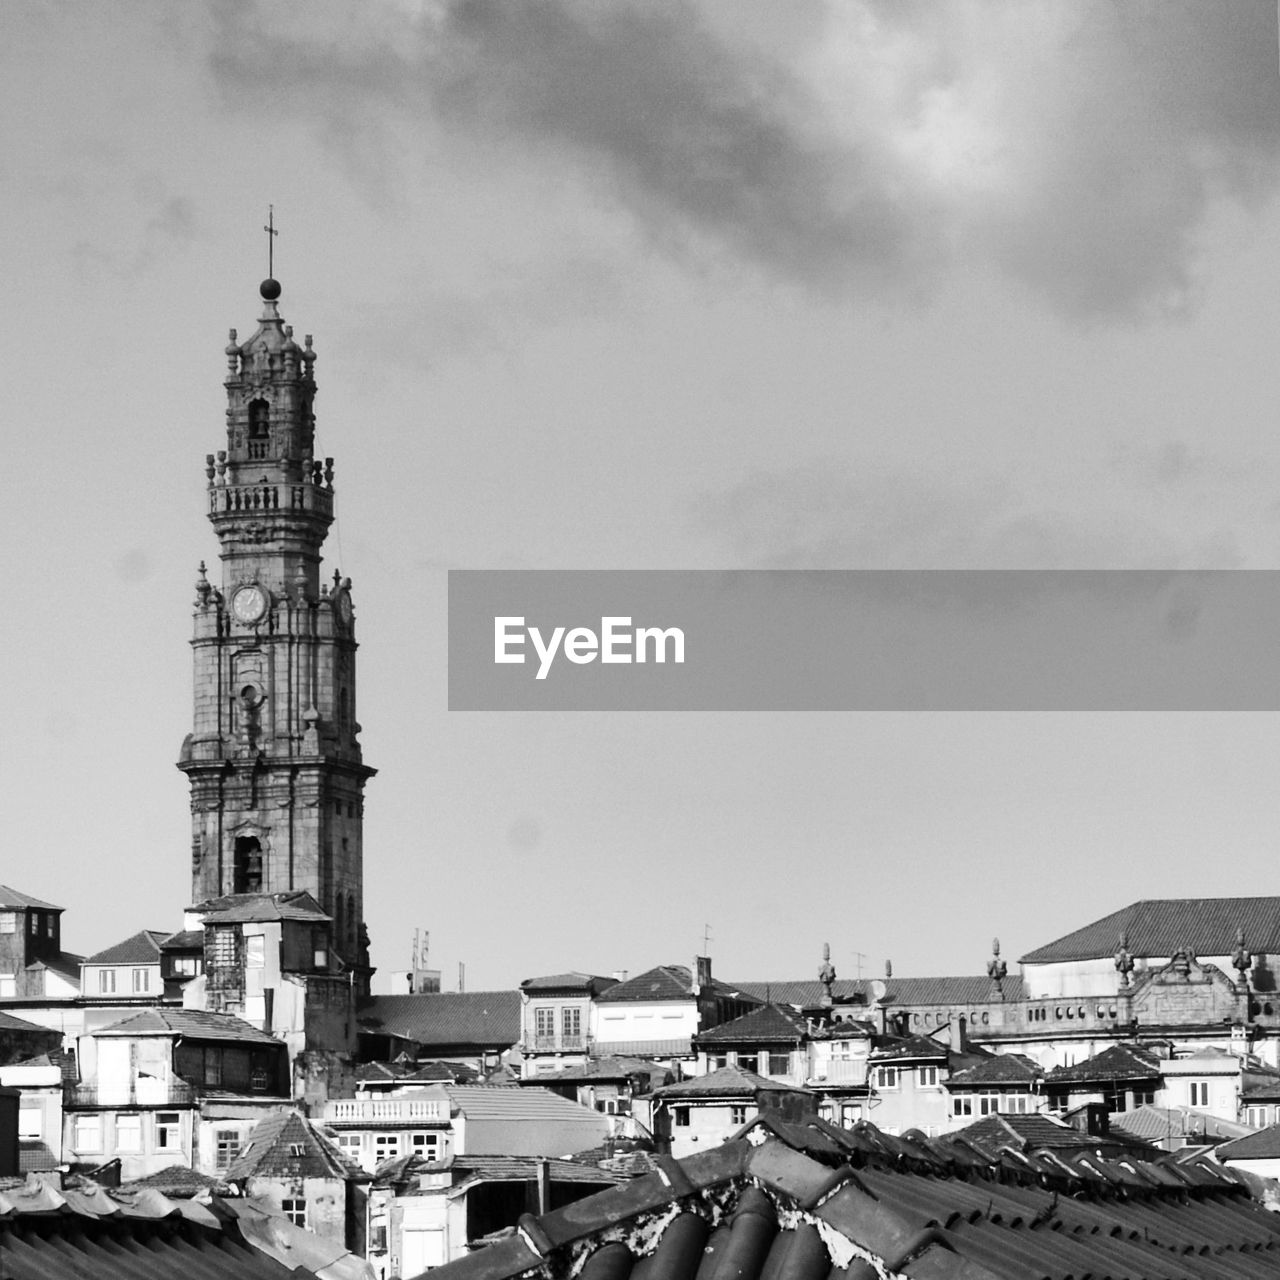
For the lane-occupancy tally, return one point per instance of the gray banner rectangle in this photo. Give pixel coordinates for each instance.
(918, 640)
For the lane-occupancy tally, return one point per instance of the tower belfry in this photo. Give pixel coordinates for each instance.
(274, 760)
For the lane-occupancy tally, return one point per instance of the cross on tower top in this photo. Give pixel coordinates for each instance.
(272, 232)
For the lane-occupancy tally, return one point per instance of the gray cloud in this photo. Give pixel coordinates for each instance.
(825, 517)
(1077, 146)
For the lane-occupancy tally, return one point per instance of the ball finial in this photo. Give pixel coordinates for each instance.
(270, 289)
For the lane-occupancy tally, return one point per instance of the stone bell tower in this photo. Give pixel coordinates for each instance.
(274, 761)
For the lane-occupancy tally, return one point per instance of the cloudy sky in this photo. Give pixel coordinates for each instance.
(834, 284)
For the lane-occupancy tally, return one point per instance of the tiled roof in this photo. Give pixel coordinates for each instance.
(177, 1182)
(727, 1082)
(287, 1145)
(768, 1024)
(954, 990)
(1262, 1145)
(64, 964)
(907, 1048)
(515, 1102)
(663, 982)
(414, 1072)
(142, 948)
(236, 908)
(1034, 1132)
(1004, 1068)
(11, 899)
(614, 1068)
(140, 1234)
(808, 1201)
(588, 983)
(1159, 1124)
(486, 1019)
(1116, 1062)
(1157, 927)
(184, 940)
(9, 1023)
(194, 1024)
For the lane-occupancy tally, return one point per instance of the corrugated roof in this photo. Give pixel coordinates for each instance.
(809, 1201)
(142, 947)
(768, 1024)
(483, 1019)
(195, 1024)
(1156, 927)
(677, 1047)
(11, 899)
(287, 1145)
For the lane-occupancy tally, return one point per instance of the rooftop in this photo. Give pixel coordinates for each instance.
(142, 948)
(11, 899)
(1004, 1068)
(236, 908)
(1115, 1062)
(1160, 1124)
(727, 1082)
(797, 1201)
(1157, 927)
(489, 1019)
(768, 1024)
(287, 1145)
(955, 990)
(194, 1024)
(587, 983)
(663, 982)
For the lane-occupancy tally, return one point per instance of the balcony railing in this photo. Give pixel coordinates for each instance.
(556, 1044)
(135, 1093)
(387, 1109)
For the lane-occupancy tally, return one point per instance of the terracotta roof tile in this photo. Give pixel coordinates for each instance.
(11, 899)
(768, 1024)
(1116, 1062)
(436, 1019)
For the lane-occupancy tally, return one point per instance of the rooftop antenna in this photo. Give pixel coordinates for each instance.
(706, 939)
(272, 232)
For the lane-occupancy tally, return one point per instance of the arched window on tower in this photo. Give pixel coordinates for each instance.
(247, 870)
(259, 429)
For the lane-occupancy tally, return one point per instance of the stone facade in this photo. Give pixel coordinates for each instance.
(274, 761)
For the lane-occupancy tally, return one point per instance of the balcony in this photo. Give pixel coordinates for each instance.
(384, 1109)
(556, 1044)
(136, 1093)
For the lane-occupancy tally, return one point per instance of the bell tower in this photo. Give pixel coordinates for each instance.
(274, 760)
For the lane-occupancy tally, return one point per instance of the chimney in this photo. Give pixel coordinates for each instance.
(619, 975)
(544, 1186)
(462, 976)
(701, 972)
(960, 1040)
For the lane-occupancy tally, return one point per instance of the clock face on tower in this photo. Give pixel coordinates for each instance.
(249, 604)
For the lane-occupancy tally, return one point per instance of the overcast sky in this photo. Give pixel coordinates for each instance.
(835, 283)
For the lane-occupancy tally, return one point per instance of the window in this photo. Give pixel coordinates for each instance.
(222, 946)
(850, 1113)
(187, 966)
(886, 1077)
(33, 920)
(128, 1133)
(226, 1143)
(31, 1122)
(168, 1131)
(962, 1104)
(571, 1022)
(106, 982)
(141, 981)
(737, 1115)
(1114, 1099)
(929, 1077)
(1199, 1093)
(295, 1211)
(426, 1145)
(749, 1061)
(988, 1103)
(48, 926)
(779, 1064)
(8, 922)
(1016, 1104)
(213, 1066)
(349, 1145)
(544, 1022)
(386, 1146)
(1257, 1117)
(681, 1116)
(88, 1133)
(717, 1060)
(1144, 1097)
(297, 1150)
